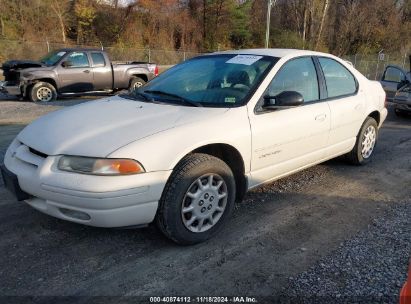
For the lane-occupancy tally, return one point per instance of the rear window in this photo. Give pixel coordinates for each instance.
(98, 59)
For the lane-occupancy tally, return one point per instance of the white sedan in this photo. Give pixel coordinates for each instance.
(182, 149)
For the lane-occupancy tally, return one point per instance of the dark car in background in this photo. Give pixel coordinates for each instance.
(402, 101)
(397, 85)
(73, 72)
(393, 79)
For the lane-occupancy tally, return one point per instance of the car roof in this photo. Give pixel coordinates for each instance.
(279, 53)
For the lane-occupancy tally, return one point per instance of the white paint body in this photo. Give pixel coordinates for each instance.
(159, 136)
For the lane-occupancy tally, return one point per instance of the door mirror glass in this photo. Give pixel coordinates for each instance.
(66, 64)
(283, 100)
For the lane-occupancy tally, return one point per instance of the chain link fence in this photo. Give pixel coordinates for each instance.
(372, 66)
(12, 49)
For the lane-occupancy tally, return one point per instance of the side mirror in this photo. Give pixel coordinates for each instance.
(66, 64)
(283, 100)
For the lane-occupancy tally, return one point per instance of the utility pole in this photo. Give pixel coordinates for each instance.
(270, 3)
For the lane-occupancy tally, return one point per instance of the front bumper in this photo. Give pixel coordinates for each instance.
(10, 89)
(101, 201)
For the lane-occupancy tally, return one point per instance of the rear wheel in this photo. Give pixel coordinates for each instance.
(135, 83)
(365, 143)
(42, 92)
(197, 200)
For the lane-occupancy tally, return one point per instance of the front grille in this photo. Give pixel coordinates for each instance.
(11, 76)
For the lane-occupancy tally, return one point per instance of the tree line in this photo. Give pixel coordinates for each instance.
(336, 26)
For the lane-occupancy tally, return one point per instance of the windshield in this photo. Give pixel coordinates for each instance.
(52, 58)
(214, 80)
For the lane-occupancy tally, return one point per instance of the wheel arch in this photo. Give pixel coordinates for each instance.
(233, 158)
(376, 115)
(48, 80)
(142, 76)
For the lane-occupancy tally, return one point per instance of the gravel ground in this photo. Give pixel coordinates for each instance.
(369, 268)
(332, 233)
(14, 111)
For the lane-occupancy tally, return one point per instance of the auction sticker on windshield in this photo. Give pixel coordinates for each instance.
(244, 59)
(230, 99)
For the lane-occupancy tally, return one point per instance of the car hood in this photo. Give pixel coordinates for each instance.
(97, 128)
(38, 69)
(21, 64)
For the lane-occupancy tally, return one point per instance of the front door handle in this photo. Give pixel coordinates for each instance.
(86, 71)
(321, 117)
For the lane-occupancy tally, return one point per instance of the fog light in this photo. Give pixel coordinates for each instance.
(75, 214)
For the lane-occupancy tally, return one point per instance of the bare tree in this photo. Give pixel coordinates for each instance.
(55, 5)
(322, 23)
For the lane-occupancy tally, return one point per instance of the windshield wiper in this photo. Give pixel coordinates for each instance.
(180, 98)
(134, 94)
(145, 97)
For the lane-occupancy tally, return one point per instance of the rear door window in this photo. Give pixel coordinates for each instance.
(339, 81)
(98, 59)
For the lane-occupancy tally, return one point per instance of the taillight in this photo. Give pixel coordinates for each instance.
(156, 71)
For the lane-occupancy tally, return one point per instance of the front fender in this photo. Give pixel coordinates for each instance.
(35, 76)
(162, 151)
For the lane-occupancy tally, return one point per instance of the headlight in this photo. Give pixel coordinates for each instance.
(99, 166)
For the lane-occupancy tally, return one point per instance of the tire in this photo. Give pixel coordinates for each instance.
(135, 83)
(178, 194)
(42, 92)
(356, 156)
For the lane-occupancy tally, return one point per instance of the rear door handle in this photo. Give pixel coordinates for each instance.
(321, 117)
(86, 71)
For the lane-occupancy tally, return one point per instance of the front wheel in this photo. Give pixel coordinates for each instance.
(197, 200)
(365, 143)
(42, 92)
